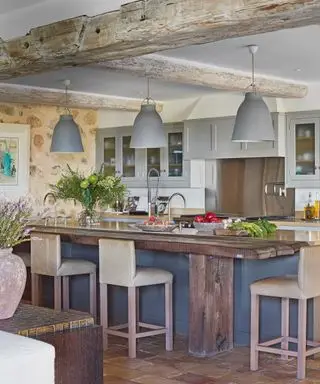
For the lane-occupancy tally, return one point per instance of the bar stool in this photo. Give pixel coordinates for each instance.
(118, 267)
(304, 286)
(46, 260)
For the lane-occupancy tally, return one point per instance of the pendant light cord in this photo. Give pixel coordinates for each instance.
(67, 83)
(148, 99)
(253, 72)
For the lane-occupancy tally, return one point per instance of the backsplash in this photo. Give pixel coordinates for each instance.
(302, 196)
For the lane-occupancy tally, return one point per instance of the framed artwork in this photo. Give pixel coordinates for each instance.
(14, 159)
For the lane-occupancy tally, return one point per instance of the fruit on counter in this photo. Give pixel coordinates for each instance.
(153, 220)
(259, 228)
(209, 217)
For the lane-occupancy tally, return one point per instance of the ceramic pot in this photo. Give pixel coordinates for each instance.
(13, 276)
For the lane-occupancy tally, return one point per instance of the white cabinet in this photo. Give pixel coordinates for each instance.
(114, 152)
(212, 139)
(303, 148)
(200, 139)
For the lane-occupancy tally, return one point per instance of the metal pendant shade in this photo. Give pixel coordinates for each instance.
(147, 130)
(66, 136)
(253, 121)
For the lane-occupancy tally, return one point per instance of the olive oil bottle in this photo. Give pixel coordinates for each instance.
(309, 209)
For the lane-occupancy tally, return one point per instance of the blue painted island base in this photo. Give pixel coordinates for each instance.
(152, 298)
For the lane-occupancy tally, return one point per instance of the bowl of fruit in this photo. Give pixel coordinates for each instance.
(155, 224)
(208, 222)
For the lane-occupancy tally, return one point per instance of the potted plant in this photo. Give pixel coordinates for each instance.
(91, 191)
(14, 218)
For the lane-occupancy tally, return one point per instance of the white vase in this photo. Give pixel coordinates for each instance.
(13, 276)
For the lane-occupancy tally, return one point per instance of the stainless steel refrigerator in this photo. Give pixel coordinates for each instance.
(252, 187)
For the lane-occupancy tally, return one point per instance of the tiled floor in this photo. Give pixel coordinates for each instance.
(155, 366)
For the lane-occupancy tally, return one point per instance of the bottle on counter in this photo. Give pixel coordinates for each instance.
(317, 207)
(309, 209)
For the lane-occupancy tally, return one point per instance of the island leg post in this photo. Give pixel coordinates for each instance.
(210, 305)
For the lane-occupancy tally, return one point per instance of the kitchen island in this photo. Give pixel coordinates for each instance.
(212, 275)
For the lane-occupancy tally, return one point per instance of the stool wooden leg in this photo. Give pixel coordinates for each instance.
(254, 354)
(35, 288)
(132, 322)
(104, 313)
(65, 293)
(302, 339)
(138, 308)
(57, 293)
(93, 295)
(285, 325)
(168, 314)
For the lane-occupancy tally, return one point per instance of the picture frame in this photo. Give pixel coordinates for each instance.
(14, 159)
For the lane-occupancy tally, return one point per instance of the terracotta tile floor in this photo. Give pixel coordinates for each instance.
(154, 365)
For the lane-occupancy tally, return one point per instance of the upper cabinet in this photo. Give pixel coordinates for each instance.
(114, 152)
(303, 148)
(212, 139)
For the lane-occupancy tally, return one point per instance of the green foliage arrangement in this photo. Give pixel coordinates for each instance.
(90, 191)
(14, 218)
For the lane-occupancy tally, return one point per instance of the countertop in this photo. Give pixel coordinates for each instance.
(282, 243)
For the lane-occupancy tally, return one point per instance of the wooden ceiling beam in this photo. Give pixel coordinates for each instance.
(14, 93)
(194, 73)
(148, 26)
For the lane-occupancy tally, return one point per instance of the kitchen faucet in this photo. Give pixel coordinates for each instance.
(152, 170)
(169, 202)
(47, 195)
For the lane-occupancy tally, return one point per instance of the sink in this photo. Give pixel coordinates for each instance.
(122, 220)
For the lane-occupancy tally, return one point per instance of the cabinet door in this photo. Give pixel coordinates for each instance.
(110, 155)
(200, 139)
(226, 148)
(128, 157)
(175, 154)
(303, 151)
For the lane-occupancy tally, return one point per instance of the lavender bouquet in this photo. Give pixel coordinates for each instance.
(14, 218)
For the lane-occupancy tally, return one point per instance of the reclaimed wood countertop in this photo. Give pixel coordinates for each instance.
(282, 243)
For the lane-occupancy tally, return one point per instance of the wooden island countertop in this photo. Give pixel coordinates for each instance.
(282, 243)
(213, 261)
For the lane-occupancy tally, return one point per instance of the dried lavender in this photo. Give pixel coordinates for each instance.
(14, 217)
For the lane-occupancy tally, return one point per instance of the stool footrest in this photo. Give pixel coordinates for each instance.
(115, 330)
(266, 347)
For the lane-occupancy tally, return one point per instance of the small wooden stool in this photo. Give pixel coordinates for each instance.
(46, 260)
(118, 267)
(302, 287)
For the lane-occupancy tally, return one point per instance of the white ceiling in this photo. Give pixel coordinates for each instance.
(12, 5)
(96, 80)
(281, 53)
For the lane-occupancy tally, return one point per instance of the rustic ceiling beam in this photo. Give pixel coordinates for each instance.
(194, 73)
(14, 93)
(148, 26)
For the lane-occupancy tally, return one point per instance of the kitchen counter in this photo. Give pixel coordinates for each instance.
(211, 284)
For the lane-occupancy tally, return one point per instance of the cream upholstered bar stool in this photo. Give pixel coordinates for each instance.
(304, 286)
(46, 260)
(118, 267)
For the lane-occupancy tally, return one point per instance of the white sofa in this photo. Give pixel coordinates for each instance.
(25, 361)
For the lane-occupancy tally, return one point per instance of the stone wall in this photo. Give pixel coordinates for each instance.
(45, 167)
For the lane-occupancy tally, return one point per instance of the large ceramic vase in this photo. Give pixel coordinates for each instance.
(13, 276)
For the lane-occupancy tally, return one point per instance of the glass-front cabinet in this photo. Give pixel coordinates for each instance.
(114, 152)
(303, 152)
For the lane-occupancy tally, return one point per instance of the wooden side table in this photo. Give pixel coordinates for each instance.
(77, 341)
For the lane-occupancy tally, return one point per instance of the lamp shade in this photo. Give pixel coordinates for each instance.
(253, 121)
(147, 131)
(66, 136)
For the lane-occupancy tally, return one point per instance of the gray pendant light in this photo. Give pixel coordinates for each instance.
(147, 130)
(66, 134)
(253, 121)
